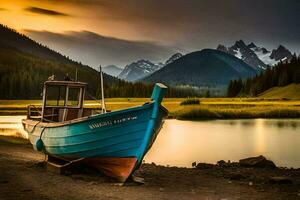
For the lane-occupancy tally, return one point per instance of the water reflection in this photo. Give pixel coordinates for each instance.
(280, 123)
(284, 123)
(182, 142)
(11, 126)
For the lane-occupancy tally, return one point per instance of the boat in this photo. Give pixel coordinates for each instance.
(113, 142)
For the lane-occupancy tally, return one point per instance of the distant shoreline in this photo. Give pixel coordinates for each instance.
(209, 108)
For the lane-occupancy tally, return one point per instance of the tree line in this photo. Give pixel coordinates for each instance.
(22, 76)
(284, 73)
(25, 65)
(139, 90)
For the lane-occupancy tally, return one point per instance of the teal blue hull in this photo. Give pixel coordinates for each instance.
(121, 134)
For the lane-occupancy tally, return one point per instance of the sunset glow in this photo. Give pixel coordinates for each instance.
(76, 18)
(171, 26)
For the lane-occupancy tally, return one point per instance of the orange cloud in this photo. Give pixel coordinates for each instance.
(44, 11)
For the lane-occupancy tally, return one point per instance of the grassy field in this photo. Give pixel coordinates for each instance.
(209, 108)
(291, 91)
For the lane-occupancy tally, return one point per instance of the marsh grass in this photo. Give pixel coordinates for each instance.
(190, 101)
(209, 108)
(236, 112)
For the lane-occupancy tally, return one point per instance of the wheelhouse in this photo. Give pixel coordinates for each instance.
(62, 101)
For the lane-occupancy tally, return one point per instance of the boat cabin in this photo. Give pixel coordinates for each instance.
(62, 101)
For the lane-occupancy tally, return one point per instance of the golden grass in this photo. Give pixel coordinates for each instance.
(291, 91)
(237, 112)
(209, 107)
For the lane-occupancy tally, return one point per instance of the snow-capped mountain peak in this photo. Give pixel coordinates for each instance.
(142, 68)
(257, 57)
(280, 53)
(138, 70)
(251, 45)
(173, 58)
(239, 44)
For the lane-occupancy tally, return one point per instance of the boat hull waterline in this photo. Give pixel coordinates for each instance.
(114, 143)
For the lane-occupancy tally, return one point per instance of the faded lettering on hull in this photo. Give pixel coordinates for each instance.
(112, 122)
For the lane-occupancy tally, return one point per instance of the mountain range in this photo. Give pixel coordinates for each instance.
(206, 68)
(138, 70)
(257, 57)
(25, 64)
(142, 68)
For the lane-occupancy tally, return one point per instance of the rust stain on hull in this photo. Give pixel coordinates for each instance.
(118, 168)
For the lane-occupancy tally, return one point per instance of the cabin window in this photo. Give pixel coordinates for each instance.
(55, 96)
(74, 96)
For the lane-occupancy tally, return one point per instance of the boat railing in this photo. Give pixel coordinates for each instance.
(34, 112)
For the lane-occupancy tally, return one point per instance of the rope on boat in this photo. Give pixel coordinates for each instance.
(34, 126)
(42, 132)
(38, 123)
(39, 143)
(93, 98)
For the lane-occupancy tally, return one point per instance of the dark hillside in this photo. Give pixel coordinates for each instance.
(206, 67)
(25, 65)
(281, 75)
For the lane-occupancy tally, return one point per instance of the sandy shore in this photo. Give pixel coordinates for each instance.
(23, 176)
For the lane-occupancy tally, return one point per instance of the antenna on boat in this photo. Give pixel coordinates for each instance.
(76, 75)
(102, 91)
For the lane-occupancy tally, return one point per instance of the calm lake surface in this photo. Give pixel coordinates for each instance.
(12, 126)
(182, 142)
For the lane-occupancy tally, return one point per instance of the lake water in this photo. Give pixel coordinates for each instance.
(12, 126)
(182, 142)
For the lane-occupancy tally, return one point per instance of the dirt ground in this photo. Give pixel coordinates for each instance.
(23, 176)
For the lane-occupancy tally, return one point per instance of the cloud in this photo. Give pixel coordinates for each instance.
(94, 49)
(190, 24)
(44, 11)
(195, 24)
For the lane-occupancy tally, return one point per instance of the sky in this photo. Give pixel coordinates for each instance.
(122, 31)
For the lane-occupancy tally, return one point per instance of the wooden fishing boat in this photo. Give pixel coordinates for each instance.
(113, 142)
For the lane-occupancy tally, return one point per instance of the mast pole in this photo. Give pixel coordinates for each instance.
(102, 91)
(76, 75)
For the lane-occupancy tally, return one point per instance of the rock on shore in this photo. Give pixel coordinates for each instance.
(23, 176)
(259, 161)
